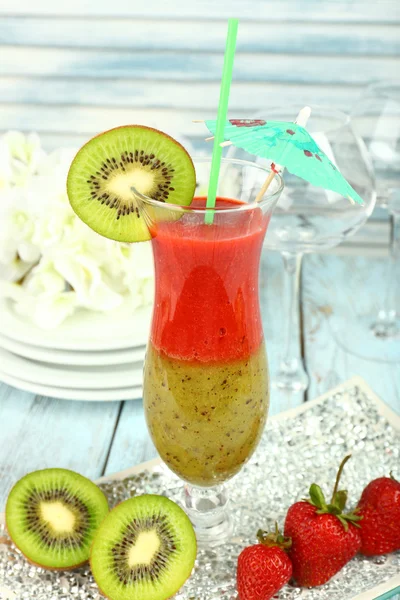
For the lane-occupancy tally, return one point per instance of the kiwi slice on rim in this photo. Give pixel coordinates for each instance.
(145, 549)
(52, 516)
(107, 167)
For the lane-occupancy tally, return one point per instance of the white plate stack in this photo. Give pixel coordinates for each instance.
(91, 356)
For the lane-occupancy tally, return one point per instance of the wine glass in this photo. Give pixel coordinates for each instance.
(376, 118)
(309, 219)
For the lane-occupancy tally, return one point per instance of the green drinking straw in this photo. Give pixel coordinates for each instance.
(221, 117)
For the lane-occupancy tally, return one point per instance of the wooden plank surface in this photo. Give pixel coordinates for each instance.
(132, 444)
(123, 93)
(39, 432)
(385, 11)
(187, 67)
(89, 120)
(190, 35)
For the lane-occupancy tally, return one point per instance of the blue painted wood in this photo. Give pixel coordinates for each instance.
(88, 120)
(386, 11)
(187, 35)
(124, 93)
(39, 432)
(349, 286)
(132, 444)
(187, 67)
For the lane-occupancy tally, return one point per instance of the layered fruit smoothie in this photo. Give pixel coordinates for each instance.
(206, 376)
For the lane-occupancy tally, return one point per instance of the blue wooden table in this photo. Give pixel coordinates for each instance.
(98, 438)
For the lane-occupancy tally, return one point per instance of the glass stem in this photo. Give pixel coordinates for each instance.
(207, 510)
(386, 324)
(292, 375)
(292, 264)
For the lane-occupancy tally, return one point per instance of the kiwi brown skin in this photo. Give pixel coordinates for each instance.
(99, 135)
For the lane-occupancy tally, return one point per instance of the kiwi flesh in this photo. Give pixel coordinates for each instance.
(145, 549)
(52, 516)
(102, 174)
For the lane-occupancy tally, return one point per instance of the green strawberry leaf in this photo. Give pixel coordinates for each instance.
(343, 522)
(337, 503)
(334, 510)
(274, 539)
(317, 497)
(340, 500)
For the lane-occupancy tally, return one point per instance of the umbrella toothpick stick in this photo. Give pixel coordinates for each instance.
(267, 182)
(301, 120)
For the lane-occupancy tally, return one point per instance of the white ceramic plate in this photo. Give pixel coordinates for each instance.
(85, 330)
(128, 393)
(88, 378)
(73, 357)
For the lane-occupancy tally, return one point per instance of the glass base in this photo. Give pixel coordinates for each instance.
(207, 510)
(290, 376)
(371, 338)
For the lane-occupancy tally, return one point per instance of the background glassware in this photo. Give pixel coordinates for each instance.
(206, 382)
(376, 118)
(309, 219)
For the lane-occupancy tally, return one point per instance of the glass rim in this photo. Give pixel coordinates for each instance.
(328, 109)
(266, 199)
(384, 89)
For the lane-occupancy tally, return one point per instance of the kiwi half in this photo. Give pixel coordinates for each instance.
(52, 516)
(107, 167)
(145, 549)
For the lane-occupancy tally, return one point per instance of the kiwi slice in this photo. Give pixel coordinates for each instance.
(144, 550)
(107, 167)
(52, 516)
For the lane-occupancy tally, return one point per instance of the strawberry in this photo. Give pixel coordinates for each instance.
(380, 508)
(264, 568)
(324, 538)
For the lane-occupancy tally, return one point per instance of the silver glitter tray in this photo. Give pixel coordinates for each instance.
(300, 446)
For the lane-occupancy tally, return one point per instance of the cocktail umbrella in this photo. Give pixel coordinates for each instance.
(291, 146)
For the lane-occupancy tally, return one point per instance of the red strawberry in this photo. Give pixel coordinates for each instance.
(324, 538)
(380, 508)
(263, 569)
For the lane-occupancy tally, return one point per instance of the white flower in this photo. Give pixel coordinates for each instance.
(24, 155)
(39, 299)
(63, 264)
(5, 166)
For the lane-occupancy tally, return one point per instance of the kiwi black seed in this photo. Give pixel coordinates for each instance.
(102, 175)
(145, 549)
(52, 516)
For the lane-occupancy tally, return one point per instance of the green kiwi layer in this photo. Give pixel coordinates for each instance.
(105, 169)
(144, 550)
(52, 516)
